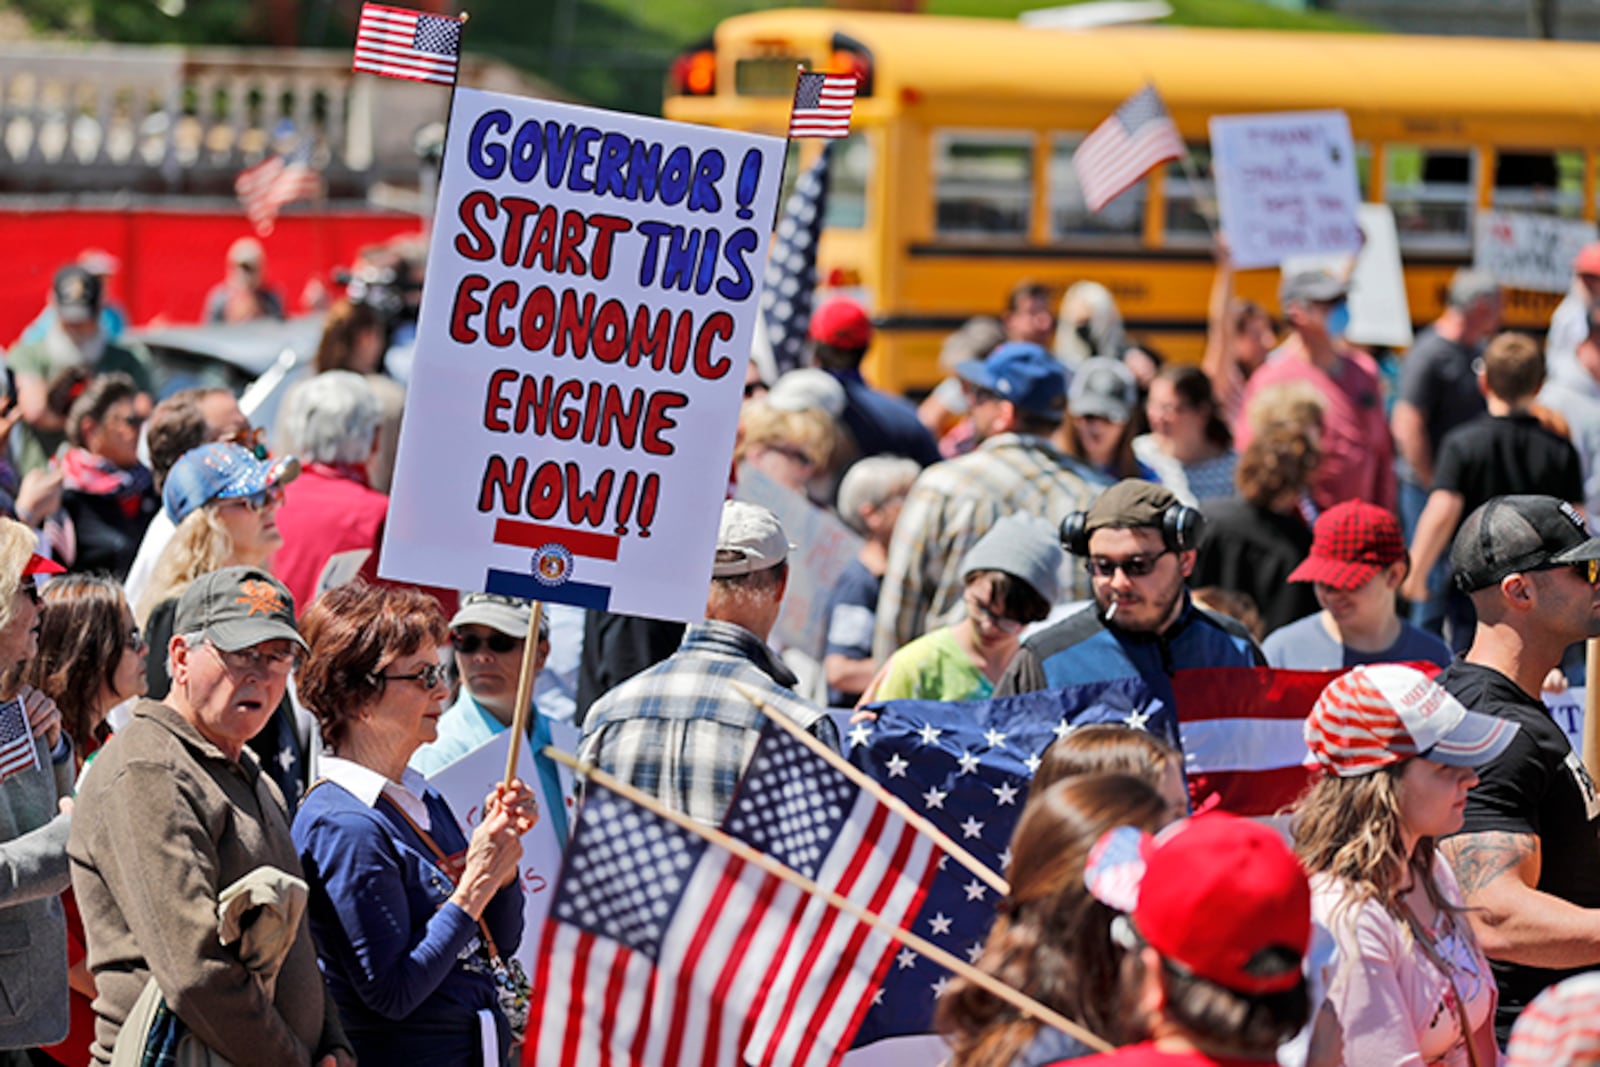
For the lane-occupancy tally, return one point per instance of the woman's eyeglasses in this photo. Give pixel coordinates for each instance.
(468, 644)
(259, 500)
(30, 589)
(430, 676)
(134, 641)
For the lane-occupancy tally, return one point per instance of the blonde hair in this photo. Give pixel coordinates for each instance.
(16, 548)
(762, 424)
(200, 544)
(1297, 405)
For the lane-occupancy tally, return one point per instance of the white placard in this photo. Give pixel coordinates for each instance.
(1566, 710)
(1286, 185)
(1529, 251)
(591, 295)
(465, 783)
(823, 548)
(1380, 314)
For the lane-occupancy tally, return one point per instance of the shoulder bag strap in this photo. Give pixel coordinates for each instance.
(444, 865)
(1432, 952)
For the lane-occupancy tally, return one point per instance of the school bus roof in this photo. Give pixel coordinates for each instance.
(1440, 89)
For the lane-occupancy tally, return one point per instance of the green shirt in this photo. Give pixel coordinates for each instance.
(35, 447)
(933, 667)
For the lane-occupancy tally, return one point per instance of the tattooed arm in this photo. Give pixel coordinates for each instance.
(1513, 920)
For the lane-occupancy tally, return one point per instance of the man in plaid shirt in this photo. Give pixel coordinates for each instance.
(1017, 396)
(679, 731)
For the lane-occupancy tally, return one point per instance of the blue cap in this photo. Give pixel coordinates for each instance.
(1023, 373)
(221, 471)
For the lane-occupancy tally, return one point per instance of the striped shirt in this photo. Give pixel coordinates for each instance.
(951, 506)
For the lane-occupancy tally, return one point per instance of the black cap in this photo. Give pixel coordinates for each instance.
(237, 607)
(77, 294)
(1514, 534)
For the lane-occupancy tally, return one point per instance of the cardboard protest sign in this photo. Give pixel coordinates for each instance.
(1286, 185)
(1380, 314)
(592, 287)
(1529, 251)
(823, 548)
(1566, 711)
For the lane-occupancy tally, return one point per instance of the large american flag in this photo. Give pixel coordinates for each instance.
(662, 949)
(822, 105)
(17, 749)
(269, 186)
(401, 43)
(1138, 136)
(789, 285)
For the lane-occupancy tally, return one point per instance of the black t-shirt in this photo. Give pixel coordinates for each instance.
(1436, 378)
(1496, 455)
(1537, 786)
(1250, 550)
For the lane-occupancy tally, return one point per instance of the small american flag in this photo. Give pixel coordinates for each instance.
(17, 749)
(401, 43)
(660, 949)
(822, 105)
(1139, 135)
(269, 186)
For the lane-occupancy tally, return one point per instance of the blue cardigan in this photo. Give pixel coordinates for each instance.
(402, 963)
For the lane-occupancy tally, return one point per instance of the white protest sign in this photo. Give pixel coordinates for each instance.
(1286, 185)
(592, 287)
(1380, 314)
(1566, 711)
(465, 783)
(1529, 251)
(823, 548)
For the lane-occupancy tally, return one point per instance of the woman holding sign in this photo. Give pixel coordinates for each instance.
(414, 923)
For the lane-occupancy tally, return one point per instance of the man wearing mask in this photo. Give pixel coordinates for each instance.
(1357, 454)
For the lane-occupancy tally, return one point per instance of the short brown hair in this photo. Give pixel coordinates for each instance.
(177, 425)
(103, 392)
(1276, 462)
(353, 632)
(1103, 748)
(346, 321)
(1513, 367)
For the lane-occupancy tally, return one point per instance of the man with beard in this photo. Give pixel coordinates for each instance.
(1138, 542)
(72, 345)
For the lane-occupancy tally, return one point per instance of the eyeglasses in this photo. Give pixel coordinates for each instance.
(1133, 566)
(431, 676)
(754, 389)
(252, 438)
(133, 422)
(30, 589)
(257, 501)
(468, 644)
(135, 641)
(257, 661)
(989, 615)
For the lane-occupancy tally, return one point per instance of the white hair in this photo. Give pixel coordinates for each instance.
(330, 418)
(872, 482)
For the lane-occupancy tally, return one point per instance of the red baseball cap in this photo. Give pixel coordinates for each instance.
(1375, 716)
(1219, 895)
(1350, 543)
(842, 323)
(38, 564)
(1588, 259)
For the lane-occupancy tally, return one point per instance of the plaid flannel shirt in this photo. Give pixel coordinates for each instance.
(951, 506)
(679, 732)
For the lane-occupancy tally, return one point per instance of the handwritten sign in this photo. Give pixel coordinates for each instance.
(1529, 251)
(1380, 314)
(593, 283)
(823, 548)
(1286, 185)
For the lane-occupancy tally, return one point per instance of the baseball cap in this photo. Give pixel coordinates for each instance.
(221, 470)
(750, 539)
(1219, 895)
(76, 293)
(1351, 542)
(1022, 545)
(1588, 259)
(1310, 286)
(1516, 534)
(1103, 386)
(507, 614)
(38, 564)
(1023, 373)
(808, 389)
(1558, 1027)
(237, 607)
(1131, 503)
(1378, 715)
(842, 323)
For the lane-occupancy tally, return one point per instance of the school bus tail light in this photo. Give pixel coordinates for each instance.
(694, 71)
(850, 56)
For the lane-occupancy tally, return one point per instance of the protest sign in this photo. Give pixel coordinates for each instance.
(465, 783)
(593, 281)
(1566, 711)
(1380, 314)
(1529, 251)
(823, 548)
(1286, 185)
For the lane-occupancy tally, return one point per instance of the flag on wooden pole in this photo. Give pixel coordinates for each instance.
(822, 105)
(400, 43)
(1137, 137)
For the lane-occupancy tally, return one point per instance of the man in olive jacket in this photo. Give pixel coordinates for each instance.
(175, 810)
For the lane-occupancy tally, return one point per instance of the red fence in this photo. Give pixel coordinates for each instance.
(170, 259)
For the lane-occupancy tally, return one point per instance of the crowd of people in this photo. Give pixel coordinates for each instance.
(223, 842)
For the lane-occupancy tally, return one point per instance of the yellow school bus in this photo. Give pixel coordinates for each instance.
(956, 181)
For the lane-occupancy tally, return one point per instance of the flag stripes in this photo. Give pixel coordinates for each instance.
(399, 43)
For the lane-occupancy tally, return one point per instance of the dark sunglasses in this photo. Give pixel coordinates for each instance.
(1133, 566)
(468, 644)
(1587, 569)
(30, 589)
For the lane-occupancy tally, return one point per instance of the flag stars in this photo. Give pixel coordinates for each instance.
(975, 890)
(1004, 794)
(1005, 858)
(1063, 728)
(896, 766)
(934, 798)
(974, 952)
(994, 738)
(877, 998)
(1136, 719)
(929, 734)
(971, 828)
(860, 734)
(906, 959)
(938, 987)
(969, 763)
(1032, 763)
(939, 924)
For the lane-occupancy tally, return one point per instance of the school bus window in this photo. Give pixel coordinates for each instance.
(848, 171)
(982, 184)
(1545, 183)
(1070, 217)
(1191, 199)
(1432, 192)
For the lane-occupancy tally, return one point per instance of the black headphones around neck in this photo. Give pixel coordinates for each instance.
(1180, 529)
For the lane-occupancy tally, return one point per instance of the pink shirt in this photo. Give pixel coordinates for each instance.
(1357, 453)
